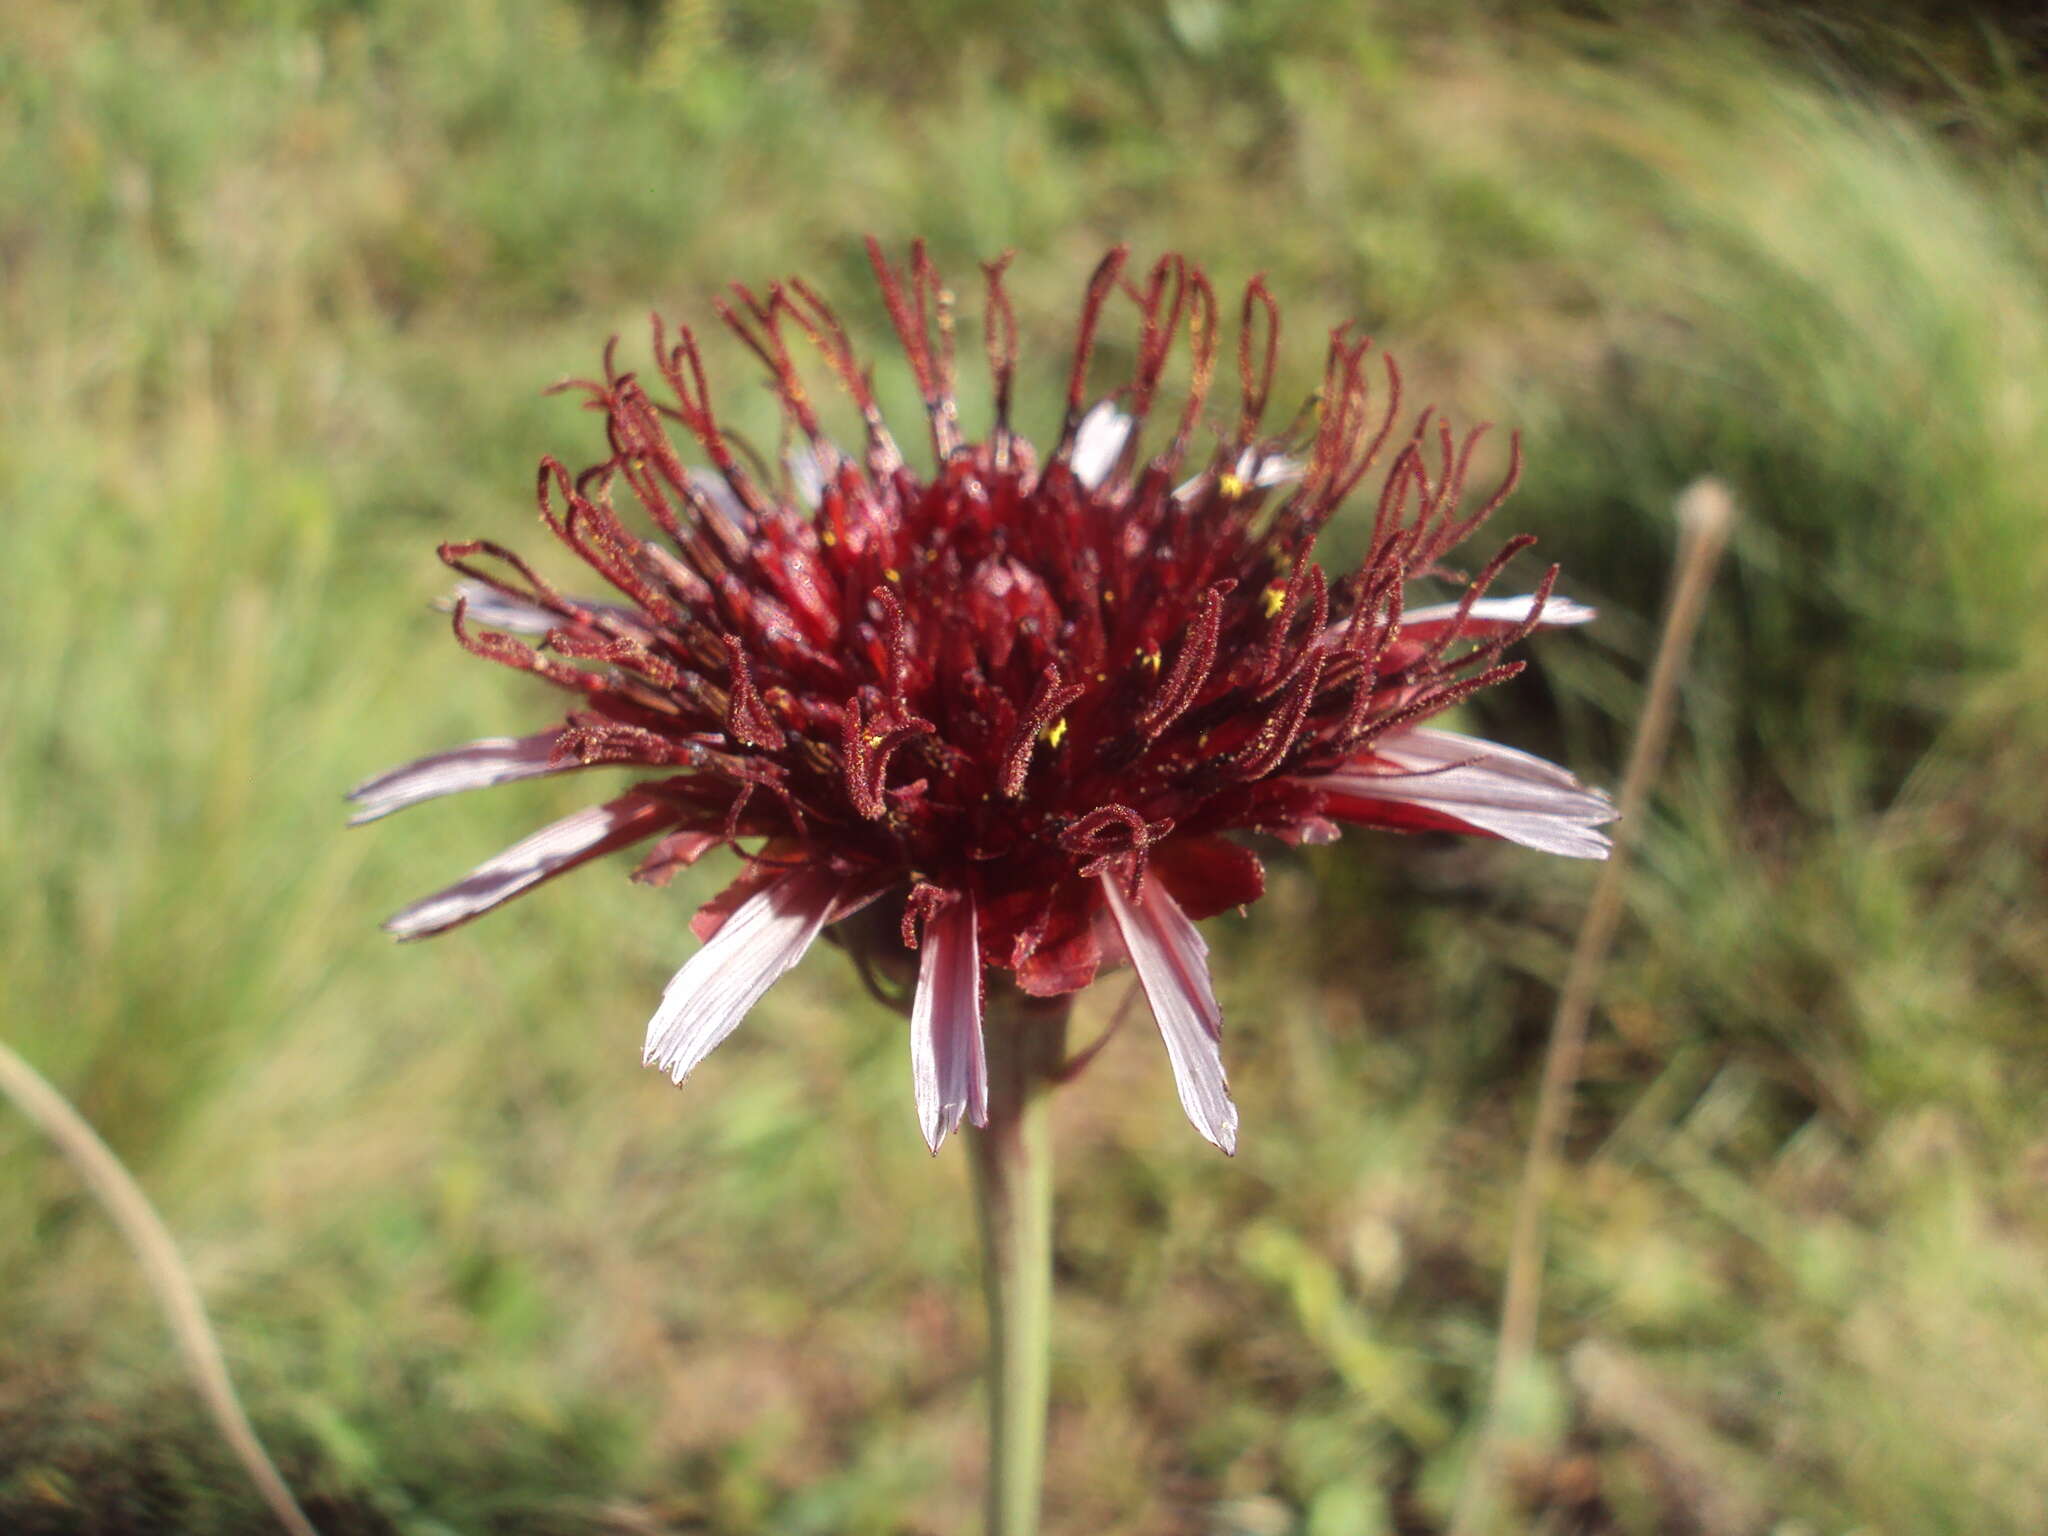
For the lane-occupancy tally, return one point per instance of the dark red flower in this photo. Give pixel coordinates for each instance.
(1024, 699)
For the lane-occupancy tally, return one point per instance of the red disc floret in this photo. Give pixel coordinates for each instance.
(1007, 677)
(1032, 702)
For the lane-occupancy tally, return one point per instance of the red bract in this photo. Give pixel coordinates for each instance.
(1023, 699)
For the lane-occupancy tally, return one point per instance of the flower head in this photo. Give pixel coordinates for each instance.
(1024, 699)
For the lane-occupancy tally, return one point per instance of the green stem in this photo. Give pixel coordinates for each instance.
(1012, 1158)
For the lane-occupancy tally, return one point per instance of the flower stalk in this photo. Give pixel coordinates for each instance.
(1016, 713)
(1012, 1161)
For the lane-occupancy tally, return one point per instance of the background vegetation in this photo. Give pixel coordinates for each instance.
(281, 284)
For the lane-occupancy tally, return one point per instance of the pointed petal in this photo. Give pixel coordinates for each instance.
(726, 507)
(495, 610)
(1473, 785)
(755, 878)
(515, 616)
(1173, 968)
(1098, 443)
(1494, 615)
(809, 468)
(1275, 469)
(475, 765)
(1490, 617)
(1262, 471)
(777, 858)
(948, 1067)
(1266, 470)
(554, 848)
(763, 938)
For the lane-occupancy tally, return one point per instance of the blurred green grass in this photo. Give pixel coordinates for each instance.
(282, 282)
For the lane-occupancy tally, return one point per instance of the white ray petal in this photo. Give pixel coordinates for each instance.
(948, 1065)
(1173, 968)
(766, 935)
(1489, 616)
(1261, 471)
(1492, 614)
(558, 846)
(723, 509)
(474, 765)
(515, 615)
(1486, 786)
(1098, 443)
(809, 468)
(1266, 470)
(495, 610)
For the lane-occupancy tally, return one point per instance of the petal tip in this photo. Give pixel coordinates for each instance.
(762, 938)
(1224, 1135)
(934, 1124)
(406, 925)
(653, 1057)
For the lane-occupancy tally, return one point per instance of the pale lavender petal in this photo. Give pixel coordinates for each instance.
(719, 494)
(1262, 471)
(1489, 616)
(1099, 443)
(498, 610)
(1173, 968)
(763, 938)
(515, 615)
(1485, 785)
(809, 468)
(948, 1067)
(1492, 614)
(476, 765)
(554, 848)
(1266, 470)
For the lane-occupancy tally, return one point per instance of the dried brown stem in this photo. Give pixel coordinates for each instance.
(1706, 515)
(139, 1226)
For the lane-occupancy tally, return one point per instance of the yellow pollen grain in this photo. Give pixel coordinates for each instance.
(874, 738)
(1149, 660)
(1275, 599)
(1230, 485)
(892, 575)
(829, 539)
(1057, 732)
